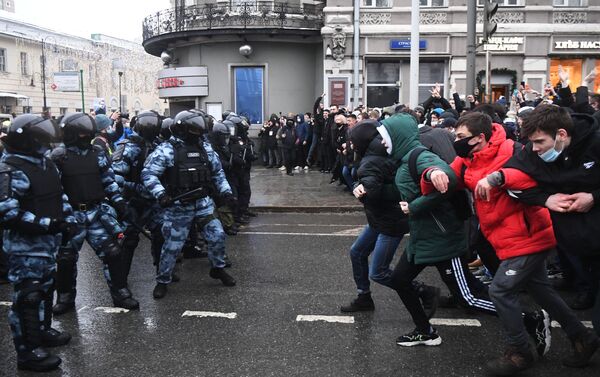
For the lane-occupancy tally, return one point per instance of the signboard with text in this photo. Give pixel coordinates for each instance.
(66, 82)
(404, 44)
(338, 92)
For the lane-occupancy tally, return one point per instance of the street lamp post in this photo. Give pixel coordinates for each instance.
(45, 108)
(120, 97)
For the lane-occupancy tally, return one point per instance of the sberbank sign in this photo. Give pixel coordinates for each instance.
(569, 44)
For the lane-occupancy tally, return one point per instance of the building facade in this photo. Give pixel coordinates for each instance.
(97, 60)
(287, 61)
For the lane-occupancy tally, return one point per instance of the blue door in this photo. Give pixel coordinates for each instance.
(249, 86)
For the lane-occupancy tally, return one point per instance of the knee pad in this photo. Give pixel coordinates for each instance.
(111, 249)
(30, 293)
(66, 255)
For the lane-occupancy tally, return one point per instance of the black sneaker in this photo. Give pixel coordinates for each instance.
(419, 338)
(430, 297)
(160, 291)
(582, 301)
(219, 273)
(584, 347)
(362, 303)
(55, 338)
(512, 362)
(538, 327)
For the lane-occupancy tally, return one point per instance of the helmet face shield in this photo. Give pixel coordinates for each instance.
(147, 125)
(44, 132)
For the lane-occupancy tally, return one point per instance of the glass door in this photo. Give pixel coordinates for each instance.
(249, 93)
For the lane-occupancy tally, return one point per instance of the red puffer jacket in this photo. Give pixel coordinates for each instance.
(513, 228)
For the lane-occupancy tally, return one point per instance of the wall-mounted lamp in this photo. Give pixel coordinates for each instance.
(328, 52)
(245, 51)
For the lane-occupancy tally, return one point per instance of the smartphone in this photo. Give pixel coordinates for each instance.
(523, 84)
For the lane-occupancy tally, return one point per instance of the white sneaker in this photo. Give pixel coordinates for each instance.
(297, 168)
(282, 168)
(306, 168)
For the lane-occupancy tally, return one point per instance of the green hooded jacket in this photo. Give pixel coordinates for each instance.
(436, 233)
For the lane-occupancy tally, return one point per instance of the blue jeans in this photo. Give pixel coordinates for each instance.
(383, 249)
(348, 173)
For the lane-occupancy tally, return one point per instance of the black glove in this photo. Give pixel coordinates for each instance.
(229, 200)
(69, 230)
(165, 201)
(124, 212)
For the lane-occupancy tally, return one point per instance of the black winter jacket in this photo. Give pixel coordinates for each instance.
(377, 170)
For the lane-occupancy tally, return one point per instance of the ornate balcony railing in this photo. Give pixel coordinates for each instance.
(249, 15)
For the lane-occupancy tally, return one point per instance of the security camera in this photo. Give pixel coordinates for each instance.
(166, 57)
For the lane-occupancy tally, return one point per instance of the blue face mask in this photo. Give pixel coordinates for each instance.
(551, 154)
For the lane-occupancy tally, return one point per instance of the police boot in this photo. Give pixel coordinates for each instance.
(121, 295)
(30, 354)
(219, 273)
(65, 285)
(122, 298)
(52, 337)
(130, 241)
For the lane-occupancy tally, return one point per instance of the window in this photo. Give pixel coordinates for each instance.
(24, 64)
(249, 87)
(382, 83)
(68, 65)
(26, 109)
(430, 73)
(569, 3)
(63, 110)
(78, 110)
(433, 3)
(2, 60)
(504, 3)
(377, 3)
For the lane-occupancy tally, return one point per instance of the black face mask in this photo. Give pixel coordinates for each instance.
(192, 139)
(463, 148)
(84, 143)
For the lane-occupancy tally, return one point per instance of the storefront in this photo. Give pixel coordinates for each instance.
(578, 56)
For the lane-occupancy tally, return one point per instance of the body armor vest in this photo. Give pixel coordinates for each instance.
(44, 198)
(191, 170)
(81, 178)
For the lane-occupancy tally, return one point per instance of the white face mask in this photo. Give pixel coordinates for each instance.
(434, 123)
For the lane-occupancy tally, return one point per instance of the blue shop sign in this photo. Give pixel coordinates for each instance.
(404, 44)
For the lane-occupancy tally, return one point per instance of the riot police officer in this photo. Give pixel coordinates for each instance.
(219, 140)
(242, 152)
(180, 174)
(35, 211)
(127, 163)
(88, 179)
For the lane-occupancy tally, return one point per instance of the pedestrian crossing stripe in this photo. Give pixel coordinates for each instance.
(201, 314)
(455, 322)
(5, 303)
(325, 318)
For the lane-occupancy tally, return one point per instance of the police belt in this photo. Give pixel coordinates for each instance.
(84, 207)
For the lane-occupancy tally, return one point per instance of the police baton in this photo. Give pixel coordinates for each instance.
(186, 194)
(137, 227)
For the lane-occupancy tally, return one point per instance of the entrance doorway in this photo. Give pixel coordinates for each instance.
(499, 90)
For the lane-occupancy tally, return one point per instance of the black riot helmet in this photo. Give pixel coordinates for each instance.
(189, 126)
(220, 134)
(208, 119)
(241, 126)
(78, 130)
(31, 135)
(226, 113)
(230, 127)
(147, 124)
(165, 128)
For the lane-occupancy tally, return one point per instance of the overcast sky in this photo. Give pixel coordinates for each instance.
(117, 18)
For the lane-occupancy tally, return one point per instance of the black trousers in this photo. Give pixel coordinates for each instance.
(3, 261)
(244, 191)
(288, 159)
(454, 273)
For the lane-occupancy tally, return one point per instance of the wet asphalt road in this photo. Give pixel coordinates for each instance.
(280, 276)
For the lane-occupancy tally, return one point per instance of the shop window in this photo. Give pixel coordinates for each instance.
(26, 109)
(249, 88)
(597, 81)
(430, 73)
(572, 66)
(433, 3)
(377, 3)
(504, 3)
(569, 3)
(2, 60)
(382, 83)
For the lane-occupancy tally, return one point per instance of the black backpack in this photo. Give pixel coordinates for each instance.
(459, 199)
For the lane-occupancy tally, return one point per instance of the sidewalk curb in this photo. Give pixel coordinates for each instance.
(307, 209)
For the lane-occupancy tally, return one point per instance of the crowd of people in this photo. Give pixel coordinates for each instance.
(492, 194)
(180, 182)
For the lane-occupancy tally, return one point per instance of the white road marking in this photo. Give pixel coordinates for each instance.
(585, 323)
(305, 225)
(109, 310)
(350, 232)
(82, 309)
(296, 234)
(455, 322)
(191, 313)
(325, 318)
(5, 303)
